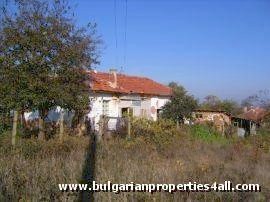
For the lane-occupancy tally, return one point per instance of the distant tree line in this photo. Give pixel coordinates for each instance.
(212, 102)
(43, 60)
(182, 104)
(261, 99)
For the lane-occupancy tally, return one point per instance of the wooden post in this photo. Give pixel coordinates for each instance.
(128, 127)
(41, 134)
(61, 131)
(14, 128)
(101, 126)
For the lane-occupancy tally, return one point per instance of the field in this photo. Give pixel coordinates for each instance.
(156, 153)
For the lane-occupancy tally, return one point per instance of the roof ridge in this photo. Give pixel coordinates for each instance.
(121, 74)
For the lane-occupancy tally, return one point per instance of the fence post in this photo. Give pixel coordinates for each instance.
(14, 128)
(128, 127)
(61, 132)
(101, 126)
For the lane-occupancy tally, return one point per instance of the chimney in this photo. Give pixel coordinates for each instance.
(113, 72)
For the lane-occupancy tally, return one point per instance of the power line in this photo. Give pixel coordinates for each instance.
(115, 33)
(125, 36)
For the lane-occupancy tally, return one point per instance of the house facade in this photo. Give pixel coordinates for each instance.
(245, 124)
(219, 118)
(114, 95)
(202, 115)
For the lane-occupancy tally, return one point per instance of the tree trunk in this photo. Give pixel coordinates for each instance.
(14, 128)
(61, 132)
(41, 133)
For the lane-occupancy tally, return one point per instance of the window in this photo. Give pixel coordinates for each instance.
(199, 116)
(127, 111)
(105, 107)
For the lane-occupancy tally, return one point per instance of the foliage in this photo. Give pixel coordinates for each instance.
(181, 104)
(159, 132)
(212, 102)
(44, 57)
(207, 133)
(4, 121)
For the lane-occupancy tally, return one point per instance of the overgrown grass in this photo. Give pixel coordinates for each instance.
(32, 171)
(196, 154)
(208, 134)
(157, 152)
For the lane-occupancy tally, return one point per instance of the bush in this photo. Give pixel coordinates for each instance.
(4, 124)
(160, 132)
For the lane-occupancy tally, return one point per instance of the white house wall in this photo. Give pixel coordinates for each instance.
(142, 107)
(96, 104)
(53, 115)
(116, 103)
(157, 103)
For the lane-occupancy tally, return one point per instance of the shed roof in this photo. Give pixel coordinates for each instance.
(254, 114)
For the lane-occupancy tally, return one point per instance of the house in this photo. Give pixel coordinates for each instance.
(249, 121)
(255, 114)
(114, 95)
(219, 118)
(246, 123)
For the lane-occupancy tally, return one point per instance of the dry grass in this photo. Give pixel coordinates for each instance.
(32, 171)
(182, 160)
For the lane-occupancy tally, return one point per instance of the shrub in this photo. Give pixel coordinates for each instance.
(160, 132)
(5, 125)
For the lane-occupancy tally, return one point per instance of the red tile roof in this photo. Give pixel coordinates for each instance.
(101, 81)
(254, 114)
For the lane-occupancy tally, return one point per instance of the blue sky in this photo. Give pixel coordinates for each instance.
(210, 47)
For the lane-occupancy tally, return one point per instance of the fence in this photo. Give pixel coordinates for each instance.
(117, 125)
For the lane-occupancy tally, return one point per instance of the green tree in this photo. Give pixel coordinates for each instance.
(14, 91)
(231, 107)
(49, 54)
(181, 104)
